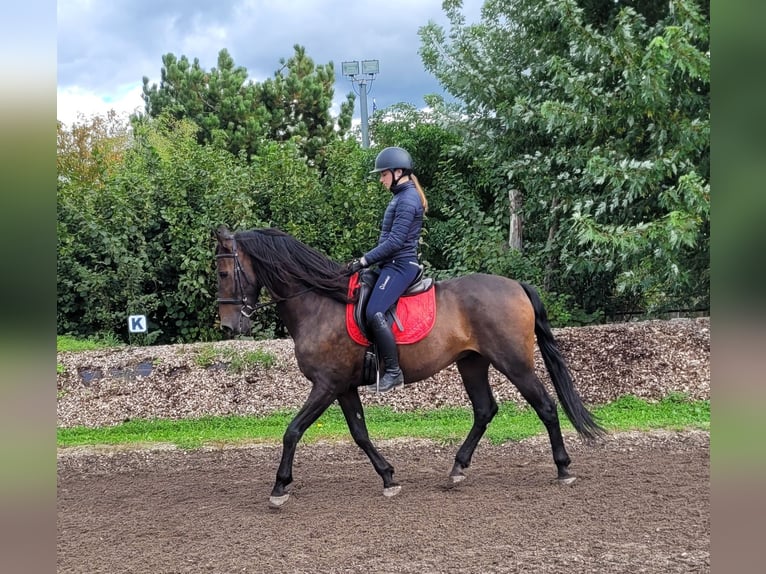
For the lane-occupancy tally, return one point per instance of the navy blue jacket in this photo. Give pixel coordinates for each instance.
(400, 230)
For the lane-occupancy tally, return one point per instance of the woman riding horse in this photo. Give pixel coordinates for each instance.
(396, 254)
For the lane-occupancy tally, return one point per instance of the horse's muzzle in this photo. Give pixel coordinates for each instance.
(237, 325)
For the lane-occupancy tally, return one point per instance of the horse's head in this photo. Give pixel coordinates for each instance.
(237, 287)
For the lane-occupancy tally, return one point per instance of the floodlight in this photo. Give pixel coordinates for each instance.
(350, 68)
(370, 67)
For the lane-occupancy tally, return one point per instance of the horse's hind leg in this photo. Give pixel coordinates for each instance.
(474, 370)
(354, 413)
(532, 389)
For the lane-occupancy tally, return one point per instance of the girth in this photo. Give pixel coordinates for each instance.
(367, 279)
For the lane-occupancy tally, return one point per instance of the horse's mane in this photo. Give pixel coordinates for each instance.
(281, 260)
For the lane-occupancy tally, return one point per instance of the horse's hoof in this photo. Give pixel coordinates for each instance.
(456, 478)
(391, 491)
(567, 480)
(278, 501)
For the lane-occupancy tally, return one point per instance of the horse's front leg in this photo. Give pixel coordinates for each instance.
(354, 413)
(317, 402)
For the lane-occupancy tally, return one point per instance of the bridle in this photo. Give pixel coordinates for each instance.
(247, 309)
(240, 281)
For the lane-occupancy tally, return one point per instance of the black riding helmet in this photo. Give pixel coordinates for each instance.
(392, 158)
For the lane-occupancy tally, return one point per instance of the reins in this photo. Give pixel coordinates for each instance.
(250, 310)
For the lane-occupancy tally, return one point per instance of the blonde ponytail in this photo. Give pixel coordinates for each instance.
(422, 194)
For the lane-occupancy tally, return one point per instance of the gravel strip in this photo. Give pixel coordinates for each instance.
(648, 359)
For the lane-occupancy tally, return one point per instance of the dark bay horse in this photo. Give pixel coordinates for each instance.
(481, 320)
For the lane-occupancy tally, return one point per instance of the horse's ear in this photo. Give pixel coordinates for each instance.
(223, 232)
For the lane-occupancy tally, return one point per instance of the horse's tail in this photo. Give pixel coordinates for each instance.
(582, 420)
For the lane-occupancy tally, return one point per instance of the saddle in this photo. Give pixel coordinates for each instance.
(413, 315)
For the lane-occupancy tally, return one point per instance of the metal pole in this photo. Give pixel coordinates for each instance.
(363, 105)
(369, 69)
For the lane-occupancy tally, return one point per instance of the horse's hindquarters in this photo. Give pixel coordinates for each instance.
(484, 314)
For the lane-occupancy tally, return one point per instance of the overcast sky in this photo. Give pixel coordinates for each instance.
(105, 48)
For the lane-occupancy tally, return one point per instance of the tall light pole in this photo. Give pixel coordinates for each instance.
(363, 80)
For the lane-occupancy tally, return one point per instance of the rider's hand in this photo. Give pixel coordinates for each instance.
(356, 265)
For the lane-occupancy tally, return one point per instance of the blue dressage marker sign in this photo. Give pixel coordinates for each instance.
(137, 323)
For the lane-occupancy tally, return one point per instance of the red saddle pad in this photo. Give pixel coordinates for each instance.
(417, 314)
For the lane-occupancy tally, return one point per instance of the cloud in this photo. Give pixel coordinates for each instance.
(106, 48)
(73, 103)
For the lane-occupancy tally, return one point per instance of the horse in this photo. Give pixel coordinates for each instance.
(481, 320)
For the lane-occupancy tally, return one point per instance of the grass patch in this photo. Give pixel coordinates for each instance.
(448, 425)
(68, 343)
(205, 356)
(243, 361)
(675, 412)
(238, 361)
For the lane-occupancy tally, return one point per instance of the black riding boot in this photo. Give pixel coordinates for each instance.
(384, 341)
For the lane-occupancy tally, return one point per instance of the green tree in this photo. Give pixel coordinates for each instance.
(298, 99)
(95, 226)
(241, 115)
(601, 13)
(90, 149)
(89, 153)
(602, 128)
(142, 242)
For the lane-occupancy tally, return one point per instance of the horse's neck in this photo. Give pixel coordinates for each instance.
(305, 313)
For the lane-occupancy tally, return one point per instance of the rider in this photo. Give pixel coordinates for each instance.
(396, 254)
